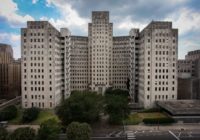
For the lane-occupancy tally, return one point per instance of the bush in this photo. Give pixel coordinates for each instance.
(30, 114)
(81, 107)
(151, 110)
(123, 93)
(78, 131)
(116, 105)
(49, 130)
(3, 133)
(8, 113)
(166, 120)
(25, 133)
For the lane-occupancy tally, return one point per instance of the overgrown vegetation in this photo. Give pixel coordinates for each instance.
(151, 110)
(49, 130)
(166, 120)
(148, 118)
(25, 133)
(30, 114)
(116, 105)
(8, 113)
(81, 107)
(3, 133)
(78, 131)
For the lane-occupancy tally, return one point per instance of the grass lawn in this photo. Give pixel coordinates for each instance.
(133, 119)
(137, 118)
(43, 116)
(151, 115)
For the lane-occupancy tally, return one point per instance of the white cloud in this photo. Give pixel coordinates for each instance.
(34, 1)
(8, 10)
(127, 24)
(185, 19)
(69, 16)
(14, 41)
(186, 45)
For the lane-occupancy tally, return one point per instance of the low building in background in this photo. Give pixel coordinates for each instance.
(189, 76)
(187, 111)
(10, 73)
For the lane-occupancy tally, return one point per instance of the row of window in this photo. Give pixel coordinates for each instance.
(38, 104)
(37, 96)
(161, 88)
(158, 97)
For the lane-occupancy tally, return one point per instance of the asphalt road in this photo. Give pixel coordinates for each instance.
(152, 135)
(167, 135)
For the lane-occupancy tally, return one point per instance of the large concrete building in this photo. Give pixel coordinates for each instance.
(42, 65)
(158, 63)
(55, 63)
(10, 71)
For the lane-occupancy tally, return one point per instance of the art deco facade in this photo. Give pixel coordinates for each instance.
(55, 63)
(10, 71)
(42, 65)
(158, 63)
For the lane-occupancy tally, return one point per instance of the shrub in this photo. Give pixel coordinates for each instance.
(81, 107)
(78, 131)
(117, 108)
(49, 130)
(3, 133)
(30, 114)
(8, 113)
(166, 120)
(25, 133)
(151, 110)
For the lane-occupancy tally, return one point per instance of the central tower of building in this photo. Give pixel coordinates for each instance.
(100, 45)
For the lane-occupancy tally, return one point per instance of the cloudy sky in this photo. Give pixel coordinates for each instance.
(125, 14)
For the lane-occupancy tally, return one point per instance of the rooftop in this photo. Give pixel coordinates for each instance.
(181, 107)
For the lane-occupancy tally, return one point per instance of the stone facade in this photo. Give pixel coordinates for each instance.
(97, 61)
(42, 69)
(158, 63)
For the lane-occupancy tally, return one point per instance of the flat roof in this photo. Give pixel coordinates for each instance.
(181, 107)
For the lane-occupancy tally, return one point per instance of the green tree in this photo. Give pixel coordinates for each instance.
(3, 133)
(49, 130)
(30, 114)
(8, 113)
(25, 133)
(81, 106)
(119, 92)
(116, 106)
(78, 131)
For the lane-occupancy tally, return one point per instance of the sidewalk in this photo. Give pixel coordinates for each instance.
(193, 126)
(11, 128)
